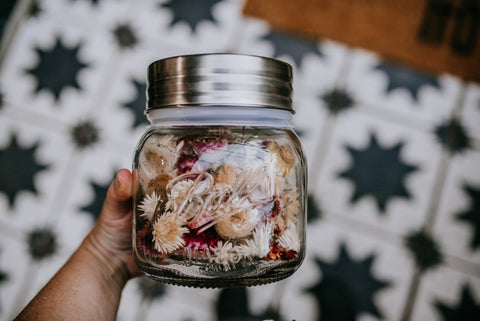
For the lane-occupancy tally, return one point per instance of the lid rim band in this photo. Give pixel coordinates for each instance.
(219, 80)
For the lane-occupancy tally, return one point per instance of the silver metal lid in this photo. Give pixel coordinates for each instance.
(219, 80)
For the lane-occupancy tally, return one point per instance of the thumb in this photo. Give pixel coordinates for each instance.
(118, 201)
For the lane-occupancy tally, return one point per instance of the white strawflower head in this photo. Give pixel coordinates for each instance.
(289, 239)
(168, 233)
(260, 183)
(224, 254)
(237, 220)
(158, 156)
(283, 157)
(148, 205)
(259, 244)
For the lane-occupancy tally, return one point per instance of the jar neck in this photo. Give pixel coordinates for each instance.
(221, 116)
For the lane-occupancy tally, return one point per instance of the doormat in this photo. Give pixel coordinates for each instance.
(436, 36)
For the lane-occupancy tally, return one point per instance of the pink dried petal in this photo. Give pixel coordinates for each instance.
(276, 209)
(270, 209)
(201, 241)
(211, 144)
(185, 163)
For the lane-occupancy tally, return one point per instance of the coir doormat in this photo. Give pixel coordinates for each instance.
(433, 35)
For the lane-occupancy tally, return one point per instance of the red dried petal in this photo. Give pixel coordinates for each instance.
(276, 209)
(203, 240)
(209, 144)
(288, 254)
(277, 230)
(185, 163)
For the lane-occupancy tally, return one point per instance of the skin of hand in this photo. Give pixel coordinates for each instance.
(111, 237)
(89, 285)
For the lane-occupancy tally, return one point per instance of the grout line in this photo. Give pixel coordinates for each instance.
(99, 97)
(326, 134)
(17, 15)
(342, 79)
(60, 201)
(432, 213)
(412, 296)
(25, 286)
(457, 111)
(467, 267)
(321, 149)
(436, 195)
(394, 117)
(442, 170)
(23, 115)
(364, 228)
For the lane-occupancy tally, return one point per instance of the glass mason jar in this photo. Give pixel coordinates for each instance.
(219, 176)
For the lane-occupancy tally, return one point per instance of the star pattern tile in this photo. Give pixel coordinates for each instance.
(270, 314)
(6, 11)
(151, 289)
(453, 136)
(293, 47)
(337, 100)
(3, 279)
(95, 206)
(3, 275)
(48, 59)
(84, 134)
(42, 243)
(300, 132)
(191, 12)
(18, 169)
(378, 172)
(471, 215)
(35, 9)
(466, 309)
(232, 304)
(58, 68)
(424, 249)
(402, 77)
(137, 104)
(125, 36)
(313, 209)
(347, 288)
(94, 2)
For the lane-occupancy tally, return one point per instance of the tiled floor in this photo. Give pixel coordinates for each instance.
(394, 163)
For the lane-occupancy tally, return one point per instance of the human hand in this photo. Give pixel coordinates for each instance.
(90, 284)
(111, 238)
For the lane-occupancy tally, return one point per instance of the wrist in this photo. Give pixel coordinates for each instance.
(110, 268)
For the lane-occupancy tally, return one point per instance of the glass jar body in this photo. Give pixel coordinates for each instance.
(219, 205)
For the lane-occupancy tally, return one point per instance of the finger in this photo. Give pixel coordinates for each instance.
(119, 194)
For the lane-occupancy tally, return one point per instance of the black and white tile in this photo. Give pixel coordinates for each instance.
(378, 173)
(448, 294)
(401, 93)
(393, 155)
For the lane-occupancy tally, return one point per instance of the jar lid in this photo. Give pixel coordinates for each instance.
(219, 80)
